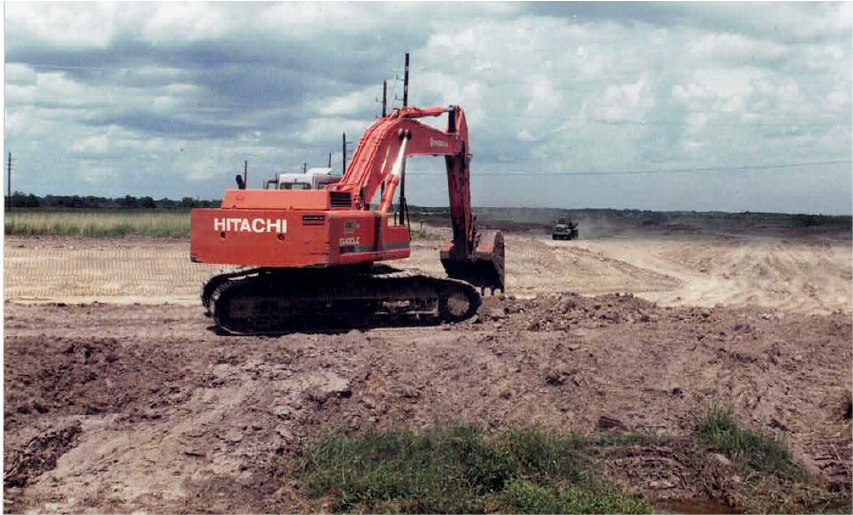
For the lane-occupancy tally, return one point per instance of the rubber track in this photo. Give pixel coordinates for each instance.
(215, 281)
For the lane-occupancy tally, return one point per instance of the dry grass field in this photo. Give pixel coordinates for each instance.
(101, 224)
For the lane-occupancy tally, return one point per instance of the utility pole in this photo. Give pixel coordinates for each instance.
(403, 208)
(246, 172)
(406, 83)
(344, 152)
(9, 202)
(330, 159)
(384, 98)
(304, 167)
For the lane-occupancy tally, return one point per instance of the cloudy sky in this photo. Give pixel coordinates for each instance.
(675, 106)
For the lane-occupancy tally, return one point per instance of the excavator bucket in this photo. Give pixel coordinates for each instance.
(485, 269)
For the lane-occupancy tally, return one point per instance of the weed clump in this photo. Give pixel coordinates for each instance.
(764, 453)
(523, 496)
(458, 470)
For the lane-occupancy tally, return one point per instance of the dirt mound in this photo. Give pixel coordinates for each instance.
(176, 418)
(669, 469)
(39, 455)
(66, 375)
(566, 311)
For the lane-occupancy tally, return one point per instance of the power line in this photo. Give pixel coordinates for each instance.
(72, 165)
(67, 67)
(652, 171)
(395, 71)
(612, 74)
(618, 123)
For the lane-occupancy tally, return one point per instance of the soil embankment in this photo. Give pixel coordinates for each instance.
(173, 417)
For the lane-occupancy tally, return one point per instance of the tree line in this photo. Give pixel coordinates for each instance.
(21, 200)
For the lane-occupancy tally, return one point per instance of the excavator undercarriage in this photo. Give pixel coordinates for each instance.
(271, 300)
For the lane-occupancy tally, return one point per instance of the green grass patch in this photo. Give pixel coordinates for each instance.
(99, 224)
(458, 470)
(763, 453)
(523, 496)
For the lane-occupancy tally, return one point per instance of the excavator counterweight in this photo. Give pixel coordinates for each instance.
(317, 251)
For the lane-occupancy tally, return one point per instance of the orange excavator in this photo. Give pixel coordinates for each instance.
(316, 253)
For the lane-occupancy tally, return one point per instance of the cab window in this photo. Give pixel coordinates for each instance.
(294, 186)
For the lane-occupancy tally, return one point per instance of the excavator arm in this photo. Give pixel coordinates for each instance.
(473, 256)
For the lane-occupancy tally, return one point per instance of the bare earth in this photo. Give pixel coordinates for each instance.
(808, 274)
(120, 398)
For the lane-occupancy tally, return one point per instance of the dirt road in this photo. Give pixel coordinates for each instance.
(134, 404)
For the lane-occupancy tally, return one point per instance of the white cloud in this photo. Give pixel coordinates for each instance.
(176, 22)
(349, 104)
(54, 88)
(69, 24)
(297, 19)
(204, 168)
(623, 102)
(94, 172)
(837, 101)
(524, 135)
(735, 48)
(20, 74)
(99, 144)
(326, 130)
(785, 21)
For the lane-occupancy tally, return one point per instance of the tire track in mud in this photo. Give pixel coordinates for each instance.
(39, 455)
(612, 275)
